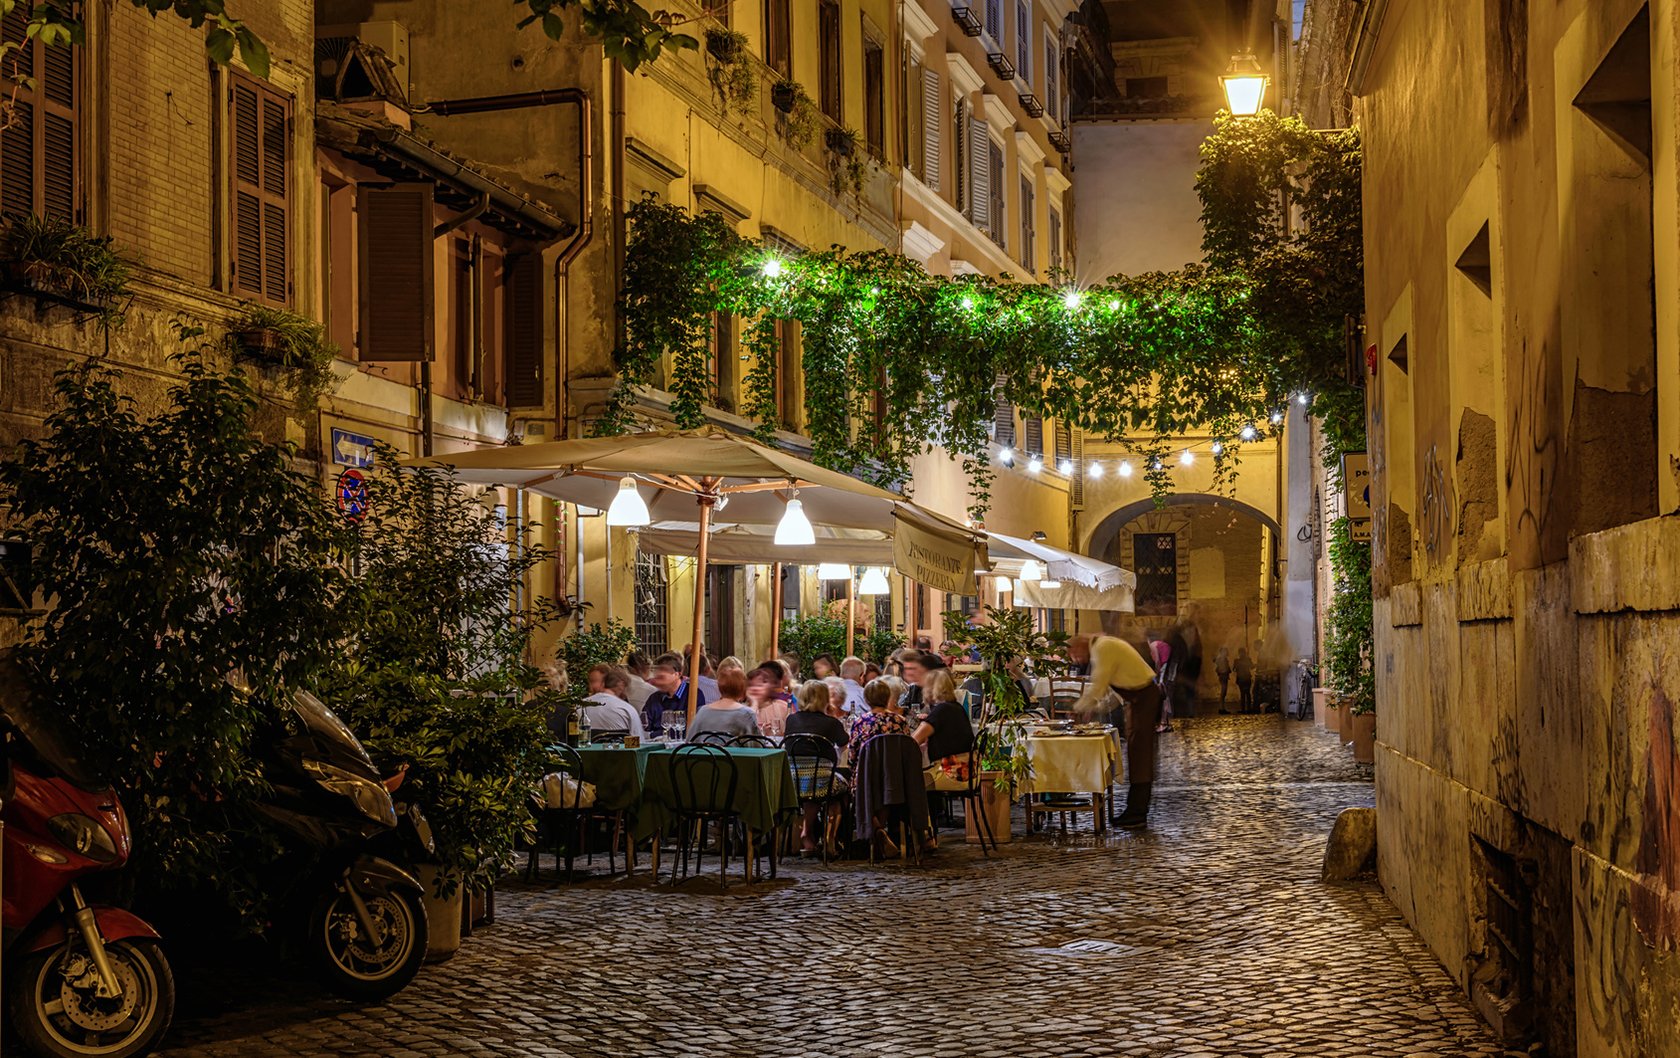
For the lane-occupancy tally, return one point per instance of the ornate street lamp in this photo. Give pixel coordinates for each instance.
(1245, 83)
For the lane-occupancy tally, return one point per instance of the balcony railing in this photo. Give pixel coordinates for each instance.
(1032, 105)
(1001, 65)
(969, 22)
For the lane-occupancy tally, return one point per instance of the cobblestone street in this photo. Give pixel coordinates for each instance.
(1208, 935)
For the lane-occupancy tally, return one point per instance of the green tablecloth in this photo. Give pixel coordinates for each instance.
(764, 791)
(617, 774)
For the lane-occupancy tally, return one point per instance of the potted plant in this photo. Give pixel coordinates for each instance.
(784, 95)
(1364, 736)
(288, 342)
(841, 140)
(53, 258)
(730, 68)
(799, 116)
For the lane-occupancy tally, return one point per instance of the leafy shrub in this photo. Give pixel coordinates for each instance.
(588, 647)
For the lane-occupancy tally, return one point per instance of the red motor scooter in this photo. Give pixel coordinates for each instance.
(79, 979)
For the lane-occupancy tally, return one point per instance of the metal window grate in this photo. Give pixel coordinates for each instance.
(652, 600)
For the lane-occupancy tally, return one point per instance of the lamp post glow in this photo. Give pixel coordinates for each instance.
(794, 530)
(628, 508)
(1245, 83)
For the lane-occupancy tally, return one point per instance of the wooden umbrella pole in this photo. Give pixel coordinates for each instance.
(851, 609)
(775, 609)
(706, 500)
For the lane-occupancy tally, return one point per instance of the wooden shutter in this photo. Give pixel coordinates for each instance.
(39, 160)
(959, 155)
(259, 129)
(979, 174)
(1023, 44)
(1055, 240)
(1064, 441)
(1076, 490)
(1027, 210)
(930, 128)
(915, 111)
(1003, 417)
(1034, 440)
(997, 212)
(1052, 77)
(394, 240)
(522, 307)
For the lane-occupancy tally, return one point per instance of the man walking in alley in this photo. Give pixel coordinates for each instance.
(1245, 681)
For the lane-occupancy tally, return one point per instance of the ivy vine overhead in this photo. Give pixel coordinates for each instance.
(897, 361)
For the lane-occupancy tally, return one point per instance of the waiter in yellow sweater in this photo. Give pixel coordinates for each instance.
(1120, 668)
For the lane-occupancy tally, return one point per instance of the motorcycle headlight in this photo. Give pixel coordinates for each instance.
(371, 798)
(84, 836)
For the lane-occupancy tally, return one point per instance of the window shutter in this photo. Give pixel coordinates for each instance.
(915, 109)
(996, 182)
(1023, 43)
(522, 307)
(395, 247)
(930, 128)
(1028, 257)
(1003, 416)
(38, 155)
(959, 166)
(260, 125)
(1034, 440)
(1076, 490)
(994, 20)
(1052, 78)
(979, 174)
(1064, 441)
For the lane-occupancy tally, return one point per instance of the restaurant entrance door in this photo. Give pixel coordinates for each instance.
(721, 582)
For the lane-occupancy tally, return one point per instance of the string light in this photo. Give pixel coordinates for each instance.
(1186, 458)
(1096, 470)
(1125, 469)
(1113, 304)
(1301, 399)
(1156, 465)
(1218, 448)
(1247, 433)
(1006, 456)
(1066, 467)
(772, 269)
(967, 302)
(1070, 300)
(1035, 465)
(1277, 417)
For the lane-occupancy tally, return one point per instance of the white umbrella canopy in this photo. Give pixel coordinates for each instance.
(706, 478)
(1061, 565)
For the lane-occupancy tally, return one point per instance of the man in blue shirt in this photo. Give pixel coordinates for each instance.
(670, 691)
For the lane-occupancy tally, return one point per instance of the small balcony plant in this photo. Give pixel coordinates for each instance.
(729, 67)
(282, 339)
(799, 115)
(56, 259)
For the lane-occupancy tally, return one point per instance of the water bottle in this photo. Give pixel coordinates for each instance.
(583, 727)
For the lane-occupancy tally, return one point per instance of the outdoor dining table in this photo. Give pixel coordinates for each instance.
(1072, 763)
(617, 773)
(765, 792)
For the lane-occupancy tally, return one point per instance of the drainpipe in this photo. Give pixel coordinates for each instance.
(563, 263)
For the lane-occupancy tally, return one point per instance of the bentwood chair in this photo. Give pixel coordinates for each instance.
(711, 738)
(753, 741)
(704, 779)
(974, 805)
(816, 775)
(888, 781)
(559, 826)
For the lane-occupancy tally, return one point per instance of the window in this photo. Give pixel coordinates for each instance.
(522, 326)
(778, 37)
(1055, 241)
(931, 111)
(1052, 75)
(259, 138)
(787, 372)
(394, 282)
(1003, 417)
(1032, 430)
(874, 98)
(828, 53)
(979, 161)
(994, 20)
(1028, 209)
(1064, 443)
(462, 371)
(1023, 44)
(722, 351)
(962, 169)
(915, 119)
(652, 598)
(39, 162)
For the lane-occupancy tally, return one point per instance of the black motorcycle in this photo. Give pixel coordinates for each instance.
(366, 919)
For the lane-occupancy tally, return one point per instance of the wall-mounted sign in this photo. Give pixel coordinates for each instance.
(1356, 479)
(352, 449)
(351, 493)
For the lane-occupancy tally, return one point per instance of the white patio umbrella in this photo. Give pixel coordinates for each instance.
(710, 476)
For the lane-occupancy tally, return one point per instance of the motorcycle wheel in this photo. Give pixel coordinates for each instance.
(55, 1011)
(353, 965)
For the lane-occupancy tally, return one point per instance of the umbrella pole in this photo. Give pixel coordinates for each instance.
(706, 500)
(851, 610)
(775, 609)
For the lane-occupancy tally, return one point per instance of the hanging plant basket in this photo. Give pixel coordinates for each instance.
(784, 94)
(841, 142)
(726, 46)
(262, 343)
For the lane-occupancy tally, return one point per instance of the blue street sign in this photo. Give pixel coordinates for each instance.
(351, 449)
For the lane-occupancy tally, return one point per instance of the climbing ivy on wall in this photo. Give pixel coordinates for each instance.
(1143, 359)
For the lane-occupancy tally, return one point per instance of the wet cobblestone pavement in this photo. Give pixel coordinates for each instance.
(1205, 937)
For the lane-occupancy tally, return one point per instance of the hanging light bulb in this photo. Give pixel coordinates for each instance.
(1070, 300)
(1247, 433)
(772, 269)
(1031, 572)
(1066, 467)
(1186, 457)
(1301, 398)
(874, 582)
(1006, 456)
(1277, 417)
(1125, 468)
(628, 508)
(1155, 465)
(1096, 469)
(794, 530)
(1035, 465)
(1113, 304)
(1218, 448)
(833, 571)
(967, 302)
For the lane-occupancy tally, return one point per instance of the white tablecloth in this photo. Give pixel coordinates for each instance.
(1071, 763)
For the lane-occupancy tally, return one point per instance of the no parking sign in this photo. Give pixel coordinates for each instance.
(351, 492)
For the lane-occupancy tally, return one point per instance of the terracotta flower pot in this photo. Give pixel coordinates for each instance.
(1321, 702)
(1344, 724)
(1365, 738)
(996, 804)
(1331, 716)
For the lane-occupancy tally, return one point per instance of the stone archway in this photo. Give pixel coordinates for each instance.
(1203, 562)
